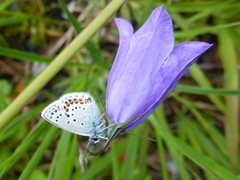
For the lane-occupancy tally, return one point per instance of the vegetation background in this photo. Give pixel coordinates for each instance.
(196, 127)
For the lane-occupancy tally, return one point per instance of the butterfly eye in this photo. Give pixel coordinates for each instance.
(95, 139)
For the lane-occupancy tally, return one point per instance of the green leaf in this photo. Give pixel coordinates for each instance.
(28, 170)
(203, 161)
(12, 21)
(5, 4)
(205, 91)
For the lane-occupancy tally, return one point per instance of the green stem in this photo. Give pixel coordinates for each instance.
(58, 63)
(229, 59)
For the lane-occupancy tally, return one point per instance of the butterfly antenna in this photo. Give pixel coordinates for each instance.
(141, 136)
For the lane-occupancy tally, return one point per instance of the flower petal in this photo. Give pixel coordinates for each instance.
(125, 30)
(133, 80)
(175, 66)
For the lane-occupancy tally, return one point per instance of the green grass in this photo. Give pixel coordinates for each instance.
(196, 127)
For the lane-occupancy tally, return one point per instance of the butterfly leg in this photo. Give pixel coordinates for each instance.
(83, 148)
(100, 151)
(105, 128)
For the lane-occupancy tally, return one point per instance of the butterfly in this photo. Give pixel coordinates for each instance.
(77, 113)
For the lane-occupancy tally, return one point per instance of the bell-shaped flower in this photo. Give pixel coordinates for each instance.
(147, 66)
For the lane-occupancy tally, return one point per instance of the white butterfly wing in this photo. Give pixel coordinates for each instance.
(74, 112)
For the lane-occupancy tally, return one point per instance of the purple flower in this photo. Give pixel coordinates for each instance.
(147, 67)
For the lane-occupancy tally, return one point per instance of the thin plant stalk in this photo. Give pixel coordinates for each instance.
(229, 60)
